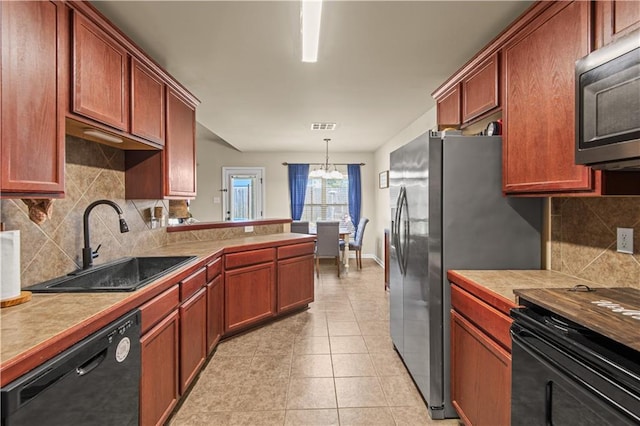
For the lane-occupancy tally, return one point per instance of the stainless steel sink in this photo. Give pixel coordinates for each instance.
(126, 274)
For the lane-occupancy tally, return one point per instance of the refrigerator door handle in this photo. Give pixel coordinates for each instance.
(395, 228)
(407, 232)
(401, 237)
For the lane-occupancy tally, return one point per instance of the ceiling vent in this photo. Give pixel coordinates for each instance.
(323, 126)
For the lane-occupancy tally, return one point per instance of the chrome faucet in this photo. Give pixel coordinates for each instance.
(87, 253)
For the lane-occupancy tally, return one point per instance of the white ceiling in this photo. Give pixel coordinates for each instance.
(378, 63)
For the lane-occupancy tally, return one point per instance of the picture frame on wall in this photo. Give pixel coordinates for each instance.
(383, 179)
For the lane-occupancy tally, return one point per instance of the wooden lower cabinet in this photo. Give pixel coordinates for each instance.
(249, 295)
(159, 376)
(295, 282)
(193, 337)
(480, 375)
(215, 312)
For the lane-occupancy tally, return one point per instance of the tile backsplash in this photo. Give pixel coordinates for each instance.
(92, 172)
(583, 239)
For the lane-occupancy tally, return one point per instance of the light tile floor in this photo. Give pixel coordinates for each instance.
(333, 364)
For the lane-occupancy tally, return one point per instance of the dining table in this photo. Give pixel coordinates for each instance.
(344, 235)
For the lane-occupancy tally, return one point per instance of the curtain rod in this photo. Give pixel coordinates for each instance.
(322, 164)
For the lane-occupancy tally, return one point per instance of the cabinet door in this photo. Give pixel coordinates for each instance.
(449, 108)
(480, 89)
(295, 282)
(100, 75)
(480, 375)
(159, 376)
(147, 103)
(539, 103)
(215, 312)
(249, 295)
(615, 18)
(34, 90)
(193, 337)
(179, 151)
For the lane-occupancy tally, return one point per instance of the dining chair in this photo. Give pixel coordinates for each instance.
(327, 236)
(300, 227)
(356, 244)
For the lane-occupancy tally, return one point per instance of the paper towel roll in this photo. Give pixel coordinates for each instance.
(9, 264)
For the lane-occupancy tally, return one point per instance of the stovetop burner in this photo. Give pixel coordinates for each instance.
(618, 308)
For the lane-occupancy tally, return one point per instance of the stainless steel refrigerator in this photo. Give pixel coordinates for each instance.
(448, 212)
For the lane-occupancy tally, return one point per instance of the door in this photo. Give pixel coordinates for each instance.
(180, 147)
(414, 236)
(244, 193)
(395, 273)
(32, 110)
(100, 75)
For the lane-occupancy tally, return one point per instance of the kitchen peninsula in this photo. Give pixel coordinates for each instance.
(263, 277)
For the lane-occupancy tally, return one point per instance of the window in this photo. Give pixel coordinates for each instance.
(327, 199)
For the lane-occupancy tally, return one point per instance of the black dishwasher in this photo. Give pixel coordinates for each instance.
(94, 382)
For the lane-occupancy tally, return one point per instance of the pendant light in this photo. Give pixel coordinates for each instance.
(324, 172)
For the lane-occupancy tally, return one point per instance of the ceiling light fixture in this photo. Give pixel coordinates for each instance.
(311, 12)
(102, 136)
(324, 172)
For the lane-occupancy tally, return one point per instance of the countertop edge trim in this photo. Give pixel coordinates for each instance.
(20, 364)
(490, 297)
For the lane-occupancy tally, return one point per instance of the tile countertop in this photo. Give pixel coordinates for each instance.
(48, 320)
(503, 283)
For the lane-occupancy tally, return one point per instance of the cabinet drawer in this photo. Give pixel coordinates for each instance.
(246, 258)
(295, 250)
(193, 283)
(488, 319)
(214, 269)
(159, 307)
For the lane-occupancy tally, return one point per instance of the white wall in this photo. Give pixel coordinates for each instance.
(212, 156)
(382, 213)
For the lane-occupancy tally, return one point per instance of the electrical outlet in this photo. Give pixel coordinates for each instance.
(625, 240)
(248, 229)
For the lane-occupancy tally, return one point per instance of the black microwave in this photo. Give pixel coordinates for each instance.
(608, 106)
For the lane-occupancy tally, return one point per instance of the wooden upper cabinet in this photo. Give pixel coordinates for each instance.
(180, 148)
(147, 103)
(449, 108)
(539, 102)
(100, 75)
(615, 19)
(34, 91)
(480, 89)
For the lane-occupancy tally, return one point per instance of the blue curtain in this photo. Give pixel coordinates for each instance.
(298, 176)
(353, 170)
